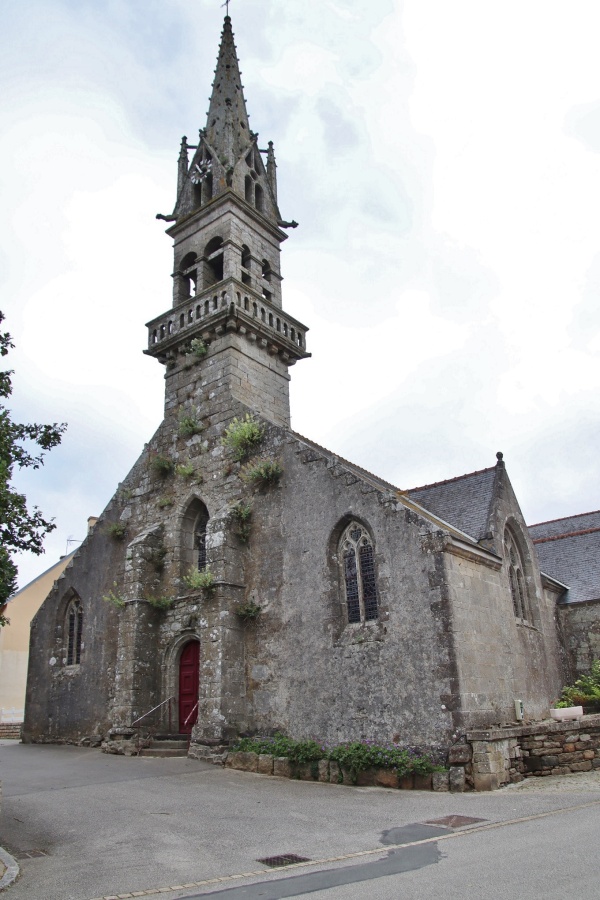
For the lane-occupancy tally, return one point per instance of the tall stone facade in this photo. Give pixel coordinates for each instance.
(340, 607)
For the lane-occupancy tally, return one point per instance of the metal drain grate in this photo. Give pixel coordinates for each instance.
(286, 859)
(31, 854)
(454, 821)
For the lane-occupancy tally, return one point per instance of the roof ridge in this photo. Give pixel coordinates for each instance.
(346, 461)
(564, 518)
(423, 487)
(566, 534)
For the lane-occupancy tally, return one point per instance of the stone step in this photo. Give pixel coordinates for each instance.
(166, 745)
(169, 744)
(159, 751)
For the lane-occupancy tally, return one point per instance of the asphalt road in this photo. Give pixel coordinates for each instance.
(105, 826)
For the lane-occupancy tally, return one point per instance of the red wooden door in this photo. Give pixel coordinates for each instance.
(189, 671)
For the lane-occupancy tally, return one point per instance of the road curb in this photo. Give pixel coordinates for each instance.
(12, 869)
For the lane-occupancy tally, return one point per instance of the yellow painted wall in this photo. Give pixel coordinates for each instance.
(14, 638)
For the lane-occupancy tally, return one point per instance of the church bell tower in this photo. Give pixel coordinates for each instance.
(226, 340)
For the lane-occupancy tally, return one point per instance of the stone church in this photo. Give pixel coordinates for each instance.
(244, 579)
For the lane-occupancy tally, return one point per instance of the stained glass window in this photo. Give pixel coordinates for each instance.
(360, 585)
(74, 632)
(516, 578)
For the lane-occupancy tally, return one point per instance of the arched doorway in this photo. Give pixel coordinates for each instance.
(189, 673)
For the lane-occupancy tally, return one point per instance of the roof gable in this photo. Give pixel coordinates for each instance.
(463, 502)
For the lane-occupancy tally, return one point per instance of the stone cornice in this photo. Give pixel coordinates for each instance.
(473, 553)
(228, 195)
(280, 334)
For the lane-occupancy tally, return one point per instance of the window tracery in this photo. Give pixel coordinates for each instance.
(74, 631)
(358, 571)
(516, 578)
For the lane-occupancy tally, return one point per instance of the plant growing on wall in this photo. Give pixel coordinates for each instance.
(248, 612)
(161, 603)
(116, 530)
(113, 598)
(242, 514)
(162, 465)
(189, 425)
(164, 502)
(185, 470)
(263, 473)
(198, 580)
(198, 348)
(242, 436)
(157, 557)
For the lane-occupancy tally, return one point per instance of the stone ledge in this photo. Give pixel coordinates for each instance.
(547, 726)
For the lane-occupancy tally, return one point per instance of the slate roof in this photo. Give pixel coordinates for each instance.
(569, 550)
(581, 522)
(463, 502)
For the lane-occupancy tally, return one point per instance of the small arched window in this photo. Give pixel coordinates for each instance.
(213, 265)
(193, 537)
(357, 558)
(200, 539)
(74, 631)
(517, 580)
(259, 198)
(246, 261)
(188, 274)
(248, 189)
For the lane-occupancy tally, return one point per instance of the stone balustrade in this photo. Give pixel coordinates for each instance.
(203, 309)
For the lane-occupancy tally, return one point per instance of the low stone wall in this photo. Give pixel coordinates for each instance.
(503, 755)
(330, 772)
(10, 730)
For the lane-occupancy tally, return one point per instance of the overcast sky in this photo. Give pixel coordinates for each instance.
(443, 160)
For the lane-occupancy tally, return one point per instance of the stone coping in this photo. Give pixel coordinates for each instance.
(548, 726)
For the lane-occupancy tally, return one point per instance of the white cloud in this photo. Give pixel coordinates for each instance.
(442, 160)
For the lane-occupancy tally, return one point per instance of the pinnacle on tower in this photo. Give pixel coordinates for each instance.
(227, 126)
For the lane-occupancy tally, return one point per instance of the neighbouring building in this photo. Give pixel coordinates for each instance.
(322, 601)
(14, 640)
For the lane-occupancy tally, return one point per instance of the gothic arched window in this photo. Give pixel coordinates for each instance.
(516, 577)
(194, 526)
(74, 631)
(200, 526)
(357, 558)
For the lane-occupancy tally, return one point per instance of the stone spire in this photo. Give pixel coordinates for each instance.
(227, 127)
(182, 165)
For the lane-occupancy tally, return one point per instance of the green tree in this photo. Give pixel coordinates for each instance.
(22, 446)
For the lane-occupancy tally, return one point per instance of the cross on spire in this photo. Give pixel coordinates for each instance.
(226, 5)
